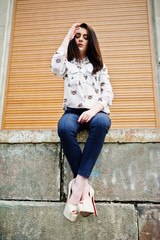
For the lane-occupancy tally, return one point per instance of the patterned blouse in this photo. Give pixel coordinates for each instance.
(81, 88)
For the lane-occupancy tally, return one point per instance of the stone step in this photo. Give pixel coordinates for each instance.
(38, 171)
(34, 176)
(45, 221)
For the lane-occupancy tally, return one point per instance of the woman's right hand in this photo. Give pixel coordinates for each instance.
(72, 30)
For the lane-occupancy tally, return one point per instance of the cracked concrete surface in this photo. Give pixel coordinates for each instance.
(33, 186)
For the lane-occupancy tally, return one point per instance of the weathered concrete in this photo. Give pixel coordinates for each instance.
(29, 171)
(3, 20)
(2, 31)
(125, 172)
(157, 18)
(6, 10)
(49, 135)
(155, 22)
(149, 221)
(29, 136)
(45, 221)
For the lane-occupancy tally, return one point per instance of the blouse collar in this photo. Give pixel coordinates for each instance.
(84, 60)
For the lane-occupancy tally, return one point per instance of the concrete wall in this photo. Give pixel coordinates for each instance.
(155, 7)
(157, 21)
(6, 9)
(34, 175)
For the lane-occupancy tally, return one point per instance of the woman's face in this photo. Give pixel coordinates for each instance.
(81, 38)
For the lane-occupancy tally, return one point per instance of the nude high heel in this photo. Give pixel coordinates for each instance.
(87, 207)
(70, 210)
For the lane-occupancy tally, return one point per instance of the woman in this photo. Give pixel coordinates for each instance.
(87, 95)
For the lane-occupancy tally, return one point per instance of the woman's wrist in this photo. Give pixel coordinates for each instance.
(70, 35)
(97, 108)
(65, 42)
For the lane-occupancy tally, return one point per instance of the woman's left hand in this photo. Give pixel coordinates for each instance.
(86, 116)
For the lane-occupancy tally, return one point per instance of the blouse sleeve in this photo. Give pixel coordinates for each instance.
(105, 87)
(58, 62)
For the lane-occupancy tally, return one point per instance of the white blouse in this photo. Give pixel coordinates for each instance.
(81, 88)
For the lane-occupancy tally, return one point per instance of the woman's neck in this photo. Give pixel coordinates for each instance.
(83, 55)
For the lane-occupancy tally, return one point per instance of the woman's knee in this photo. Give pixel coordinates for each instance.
(102, 121)
(61, 126)
(66, 125)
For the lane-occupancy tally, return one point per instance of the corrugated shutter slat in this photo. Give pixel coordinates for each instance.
(34, 95)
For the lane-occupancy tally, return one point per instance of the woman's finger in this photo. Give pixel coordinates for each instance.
(77, 24)
(79, 119)
(82, 118)
(85, 117)
(72, 30)
(88, 119)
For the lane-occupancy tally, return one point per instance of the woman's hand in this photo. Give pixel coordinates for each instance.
(86, 116)
(70, 35)
(72, 30)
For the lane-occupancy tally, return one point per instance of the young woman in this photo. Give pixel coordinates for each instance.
(87, 95)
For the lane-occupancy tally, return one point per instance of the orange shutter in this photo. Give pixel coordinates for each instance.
(34, 95)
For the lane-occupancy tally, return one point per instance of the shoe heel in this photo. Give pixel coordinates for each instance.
(94, 206)
(87, 207)
(92, 197)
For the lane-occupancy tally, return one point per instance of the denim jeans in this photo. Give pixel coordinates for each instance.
(82, 162)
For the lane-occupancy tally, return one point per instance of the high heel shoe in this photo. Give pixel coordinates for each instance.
(70, 210)
(87, 206)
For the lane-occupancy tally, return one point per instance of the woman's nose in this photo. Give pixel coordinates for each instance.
(81, 38)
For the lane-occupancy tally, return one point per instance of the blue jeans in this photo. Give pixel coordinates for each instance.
(80, 162)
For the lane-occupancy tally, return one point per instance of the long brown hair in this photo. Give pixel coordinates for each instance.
(93, 50)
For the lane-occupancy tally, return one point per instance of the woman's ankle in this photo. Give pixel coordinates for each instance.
(82, 185)
(79, 189)
(85, 194)
(81, 181)
(76, 192)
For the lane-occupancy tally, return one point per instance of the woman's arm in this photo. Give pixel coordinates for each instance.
(70, 36)
(105, 87)
(58, 63)
(104, 100)
(87, 115)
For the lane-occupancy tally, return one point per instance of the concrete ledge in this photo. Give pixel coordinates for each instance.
(30, 171)
(39, 221)
(125, 172)
(50, 136)
(149, 221)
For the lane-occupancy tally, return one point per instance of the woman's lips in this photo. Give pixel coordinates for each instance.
(80, 45)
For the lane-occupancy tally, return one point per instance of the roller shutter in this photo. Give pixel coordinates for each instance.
(34, 95)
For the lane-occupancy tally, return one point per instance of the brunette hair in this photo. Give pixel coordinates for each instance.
(93, 50)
